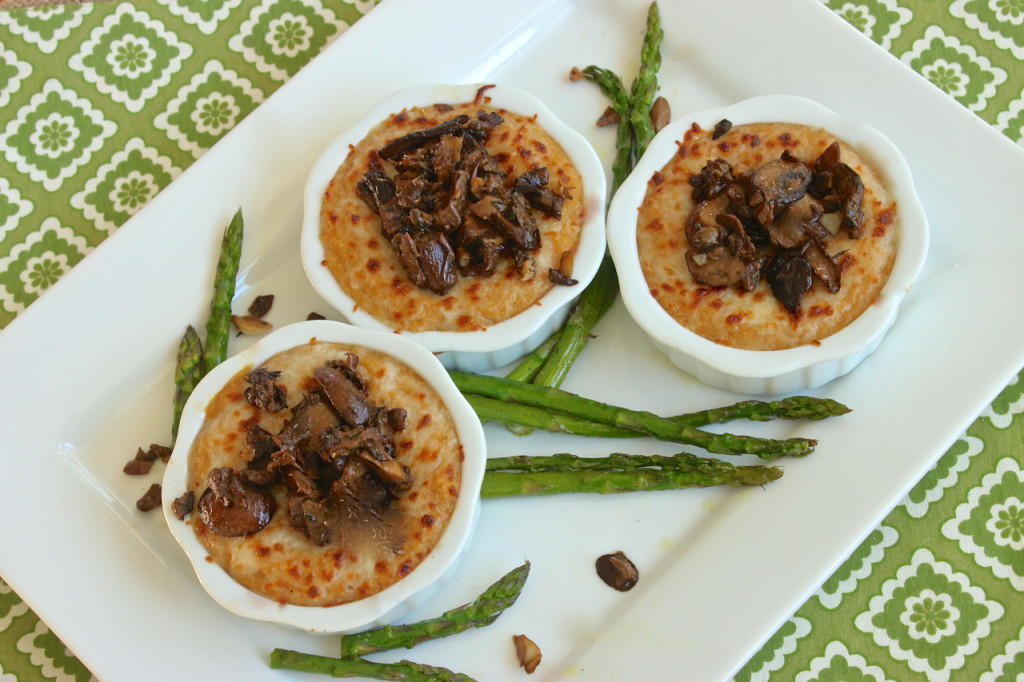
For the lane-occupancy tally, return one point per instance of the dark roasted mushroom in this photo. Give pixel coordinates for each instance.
(850, 190)
(263, 391)
(721, 128)
(713, 178)
(790, 277)
(781, 181)
(617, 571)
(418, 138)
(232, 506)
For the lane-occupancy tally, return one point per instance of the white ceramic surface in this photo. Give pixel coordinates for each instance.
(97, 571)
(779, 371)
(510, 339)
(389, 604)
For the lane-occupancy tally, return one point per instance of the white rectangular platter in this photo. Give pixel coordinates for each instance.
(88, 367)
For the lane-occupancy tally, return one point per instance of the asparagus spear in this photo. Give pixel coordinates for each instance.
(519, 416)
(218, 327)
(594, 302)
(528, 367)
(634, 132)
(187, 373)
(611, 85)
(589, 476)
(616, 461)
(491, 603)
(359, 667)
(794, 407)
(645, 422)
(645, 85)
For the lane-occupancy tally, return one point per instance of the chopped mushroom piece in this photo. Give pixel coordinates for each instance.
(661, 113)
(608, 118)
(184, 505)
(232, 506)
(527, 652)
(721, 128)
(251, 326)
(617, 571)
(261, 305)
(138, 467)
(150, 500)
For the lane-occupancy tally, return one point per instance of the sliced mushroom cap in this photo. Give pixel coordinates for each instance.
(232, 506)
(823, 266)
(702, 228)
(796, 224)
(736, 239)
(349, 401)
(417, 138)
(716, 267)
(781, 181)
(850, 189)
(437, 261)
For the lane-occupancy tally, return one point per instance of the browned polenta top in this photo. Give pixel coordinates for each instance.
(365, 265)
(756, 320)
(280, 563)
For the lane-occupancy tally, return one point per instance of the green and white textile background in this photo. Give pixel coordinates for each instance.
(101, 106)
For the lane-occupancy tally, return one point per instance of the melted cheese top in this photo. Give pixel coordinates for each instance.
(364, 263)
(279, 562)
(756, 320)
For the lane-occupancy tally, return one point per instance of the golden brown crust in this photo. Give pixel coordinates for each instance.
(365, 265)
(278, 562)
(756, 320)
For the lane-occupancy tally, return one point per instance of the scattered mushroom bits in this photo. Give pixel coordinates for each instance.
(527, 652)
(617, 571)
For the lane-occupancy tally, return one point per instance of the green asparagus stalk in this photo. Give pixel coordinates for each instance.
(634, 132)
(794, 407)
(645, 422)
(218, 327)
(528, 367)
(645, 85)
(594, 302)
(522, 419)
(579, 475)
(616, 461)
(187, 373)
(520, 416)
(491, 603)
(611, 85)
(287, 659)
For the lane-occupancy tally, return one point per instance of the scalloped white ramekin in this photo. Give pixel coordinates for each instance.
(408, 593)
(510, 339)
(775, 371)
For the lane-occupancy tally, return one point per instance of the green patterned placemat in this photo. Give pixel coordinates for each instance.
(102, 105)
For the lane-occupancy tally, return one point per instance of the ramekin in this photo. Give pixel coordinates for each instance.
(409, 592)
(776, 371)
(510, 339)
